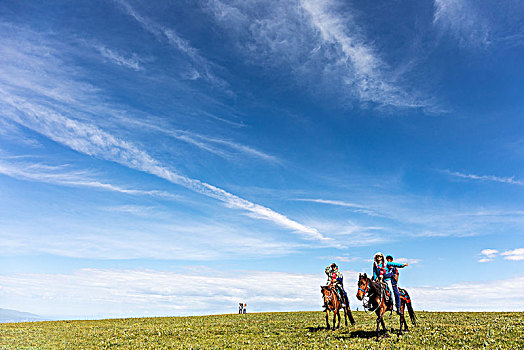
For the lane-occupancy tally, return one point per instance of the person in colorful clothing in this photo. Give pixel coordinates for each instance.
(381, 271)
(379, 266)
(393, 277)
(336, 279)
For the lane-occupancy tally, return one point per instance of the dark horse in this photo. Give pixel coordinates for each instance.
(377, 302)
(334, 304)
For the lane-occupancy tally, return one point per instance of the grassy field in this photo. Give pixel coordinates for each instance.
(291, 330)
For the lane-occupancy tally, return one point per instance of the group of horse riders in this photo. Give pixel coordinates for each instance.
(385, 271)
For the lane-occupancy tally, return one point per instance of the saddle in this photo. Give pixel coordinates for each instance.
(387, 292)
(339, 295)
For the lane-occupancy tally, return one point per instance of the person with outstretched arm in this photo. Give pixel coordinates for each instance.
(392, 277)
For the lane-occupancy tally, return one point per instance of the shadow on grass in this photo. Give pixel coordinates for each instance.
(323, 328)
(358, 334)
(317, 329)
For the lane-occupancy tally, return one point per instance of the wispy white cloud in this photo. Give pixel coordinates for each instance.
(222, 147)
(236, 124)
(34, 68)
(407, 260)
(358, 208)
(462, 20)
(91, 140)
(344, 258)
(394, 216)
(508, 180)
(410, 215)
(46, 118)
(328, 201)
(202, 68)
(10, 131)
(488, 255)
(349, 234)
(120, 293)
(493, 213)
(64, 175)
(119, 234)
(364, 69)
(305, 35)
(132, 62)
(243, 149)
(132, 209)
(469, 296)
(515, 254)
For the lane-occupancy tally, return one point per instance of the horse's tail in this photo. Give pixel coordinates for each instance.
(412, 314)
(351, 319)
(410, 308)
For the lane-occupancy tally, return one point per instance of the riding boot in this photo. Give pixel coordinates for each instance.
(397, 297)
(398, 307)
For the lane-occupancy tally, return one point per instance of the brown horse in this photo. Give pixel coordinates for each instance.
(377, 302)
(334, 304)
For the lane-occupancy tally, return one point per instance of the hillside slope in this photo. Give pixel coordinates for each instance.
(7, 315)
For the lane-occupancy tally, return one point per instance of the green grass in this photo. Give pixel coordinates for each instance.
(290, 330)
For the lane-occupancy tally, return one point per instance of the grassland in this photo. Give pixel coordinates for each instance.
(292, 330)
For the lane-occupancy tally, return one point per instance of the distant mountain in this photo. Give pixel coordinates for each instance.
(7, 315)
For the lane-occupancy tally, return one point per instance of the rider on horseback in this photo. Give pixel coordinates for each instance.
(336, 280)
(392, 266)
(382, 271)
(379, 267)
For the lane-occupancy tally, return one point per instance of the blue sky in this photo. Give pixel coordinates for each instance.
(154, 154)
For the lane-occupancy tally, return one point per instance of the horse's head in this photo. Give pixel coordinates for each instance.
(326, 294)
(363, 285)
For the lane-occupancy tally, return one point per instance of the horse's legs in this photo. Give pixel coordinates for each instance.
(402, 306)
(346, 315)
(338, 313)
(401, 310)
(383, 309)
(378, 327)
(334, 318)
(327, 319)
(379, 313)
(384, 326)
